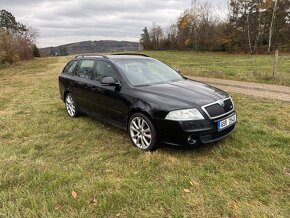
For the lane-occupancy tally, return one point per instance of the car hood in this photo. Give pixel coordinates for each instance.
(184, 93)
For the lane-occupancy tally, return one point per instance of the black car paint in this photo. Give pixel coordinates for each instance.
(115, 104)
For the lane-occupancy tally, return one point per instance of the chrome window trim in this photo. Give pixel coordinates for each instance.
(216, 102)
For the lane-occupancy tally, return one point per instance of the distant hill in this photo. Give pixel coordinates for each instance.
(90, 47)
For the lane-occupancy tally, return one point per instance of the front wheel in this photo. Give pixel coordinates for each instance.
(70, 105)
(142, 132)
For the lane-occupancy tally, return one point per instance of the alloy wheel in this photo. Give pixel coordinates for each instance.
(140, 133)
(70, 105)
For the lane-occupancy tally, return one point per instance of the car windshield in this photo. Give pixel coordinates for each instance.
(142, 72)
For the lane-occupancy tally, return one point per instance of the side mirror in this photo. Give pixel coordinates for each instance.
(109, 81)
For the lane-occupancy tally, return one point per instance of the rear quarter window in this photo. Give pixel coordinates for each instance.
(70, 67)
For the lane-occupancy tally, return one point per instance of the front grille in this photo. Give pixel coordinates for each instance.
(216, 135)
(216, 110)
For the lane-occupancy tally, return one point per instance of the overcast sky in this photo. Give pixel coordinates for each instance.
(64, 21)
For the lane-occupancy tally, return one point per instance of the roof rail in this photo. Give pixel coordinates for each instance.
(137, 54)
(91, 55)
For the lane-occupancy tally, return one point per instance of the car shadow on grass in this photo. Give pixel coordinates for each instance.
(198, 148)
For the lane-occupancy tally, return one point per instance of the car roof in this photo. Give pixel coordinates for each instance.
(113, 56)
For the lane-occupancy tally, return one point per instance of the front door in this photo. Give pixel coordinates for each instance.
(108, 100)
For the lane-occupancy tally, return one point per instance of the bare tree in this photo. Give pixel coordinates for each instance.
(171, 40)
(272, 26)
(249, 32)
(157, 36)
(194, 18)
(260, 11)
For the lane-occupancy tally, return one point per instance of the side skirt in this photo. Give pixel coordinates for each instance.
(100, 118)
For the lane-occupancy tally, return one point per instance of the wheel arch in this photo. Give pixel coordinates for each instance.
(65, 93)
(138, 110)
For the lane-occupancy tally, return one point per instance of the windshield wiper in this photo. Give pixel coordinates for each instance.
(142, 85)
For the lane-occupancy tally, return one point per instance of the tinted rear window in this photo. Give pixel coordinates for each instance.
(85, 69)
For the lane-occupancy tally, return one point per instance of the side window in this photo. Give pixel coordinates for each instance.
(85, 69)
(104, 69)
(69, 68)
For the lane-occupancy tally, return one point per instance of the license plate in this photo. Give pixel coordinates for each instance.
(222, 124)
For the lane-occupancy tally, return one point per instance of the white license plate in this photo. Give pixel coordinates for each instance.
(222, 124)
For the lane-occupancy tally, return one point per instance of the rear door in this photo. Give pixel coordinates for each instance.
(80, 84)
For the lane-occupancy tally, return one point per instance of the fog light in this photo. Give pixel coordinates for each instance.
(191, 140)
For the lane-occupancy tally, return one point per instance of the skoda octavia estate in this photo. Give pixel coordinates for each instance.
(147, 98)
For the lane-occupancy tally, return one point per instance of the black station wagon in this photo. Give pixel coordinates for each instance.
(147, 98)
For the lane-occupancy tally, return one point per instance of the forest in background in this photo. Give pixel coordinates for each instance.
(250, 26)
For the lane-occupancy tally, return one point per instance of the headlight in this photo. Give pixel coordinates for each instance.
(184, 115)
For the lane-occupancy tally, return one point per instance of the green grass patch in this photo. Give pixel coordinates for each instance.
(45, 155)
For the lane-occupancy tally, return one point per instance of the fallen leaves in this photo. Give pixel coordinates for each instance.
(186, 190)
(94, 201)
(74, 194)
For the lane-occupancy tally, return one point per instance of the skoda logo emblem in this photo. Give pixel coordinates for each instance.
(221, 103)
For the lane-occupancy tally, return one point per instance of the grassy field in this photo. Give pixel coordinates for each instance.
(45, 156)
(252, 68)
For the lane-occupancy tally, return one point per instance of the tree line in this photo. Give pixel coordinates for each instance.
(17, 41)
(250, 26)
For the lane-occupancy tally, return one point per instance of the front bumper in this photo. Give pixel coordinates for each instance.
(202, 131)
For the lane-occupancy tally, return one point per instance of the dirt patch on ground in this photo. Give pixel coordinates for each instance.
(249, 88)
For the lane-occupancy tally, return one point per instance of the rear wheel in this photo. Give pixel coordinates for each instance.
(142, 132)
(70, 105)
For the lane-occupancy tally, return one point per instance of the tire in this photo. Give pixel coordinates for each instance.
(71, 106)
(142, 132)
